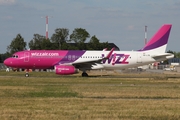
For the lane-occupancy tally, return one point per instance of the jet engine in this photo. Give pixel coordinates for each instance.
(65, 69)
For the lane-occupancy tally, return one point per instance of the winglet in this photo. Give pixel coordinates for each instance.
(110, 53)
(104, 49)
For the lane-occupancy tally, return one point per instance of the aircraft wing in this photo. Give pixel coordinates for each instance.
(90, 63)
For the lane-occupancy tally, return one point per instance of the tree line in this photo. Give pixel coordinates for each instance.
(60, 40)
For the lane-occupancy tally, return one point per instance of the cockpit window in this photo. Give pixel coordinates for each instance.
(15, 56)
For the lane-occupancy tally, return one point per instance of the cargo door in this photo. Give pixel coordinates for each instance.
(139, 58)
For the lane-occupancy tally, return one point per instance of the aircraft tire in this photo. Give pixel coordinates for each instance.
(26, 75)
(84, 74)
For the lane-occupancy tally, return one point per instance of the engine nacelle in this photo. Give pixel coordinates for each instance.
(65, 69)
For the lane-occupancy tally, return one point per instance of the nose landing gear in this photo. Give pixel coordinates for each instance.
(27, 74)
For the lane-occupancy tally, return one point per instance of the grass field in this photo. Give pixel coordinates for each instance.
(45, 96)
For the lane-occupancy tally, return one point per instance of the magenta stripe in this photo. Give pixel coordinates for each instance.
(159, 39)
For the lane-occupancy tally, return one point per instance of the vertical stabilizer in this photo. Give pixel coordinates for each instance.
(159, 41)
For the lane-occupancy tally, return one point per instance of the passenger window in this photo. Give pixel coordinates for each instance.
(69, 57)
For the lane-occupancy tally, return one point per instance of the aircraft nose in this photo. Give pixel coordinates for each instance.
(7, 62)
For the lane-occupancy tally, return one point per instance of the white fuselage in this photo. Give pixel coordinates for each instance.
(118, 59)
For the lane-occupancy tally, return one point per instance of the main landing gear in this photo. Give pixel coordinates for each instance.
(84, 74)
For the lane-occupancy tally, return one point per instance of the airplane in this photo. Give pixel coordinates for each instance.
(66, 62)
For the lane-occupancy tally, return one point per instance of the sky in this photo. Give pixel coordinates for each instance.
(115, 21)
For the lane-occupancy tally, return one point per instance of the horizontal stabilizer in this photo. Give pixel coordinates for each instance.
(162, 56)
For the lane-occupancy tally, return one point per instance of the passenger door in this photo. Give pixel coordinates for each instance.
(26, 56)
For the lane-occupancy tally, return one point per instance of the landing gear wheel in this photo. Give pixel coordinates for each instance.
(84, 74)
(27, 75)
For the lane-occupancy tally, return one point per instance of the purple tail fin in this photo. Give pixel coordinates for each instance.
(159, 39)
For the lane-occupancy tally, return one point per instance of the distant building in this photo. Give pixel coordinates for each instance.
(111, 45)
(174, 60)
